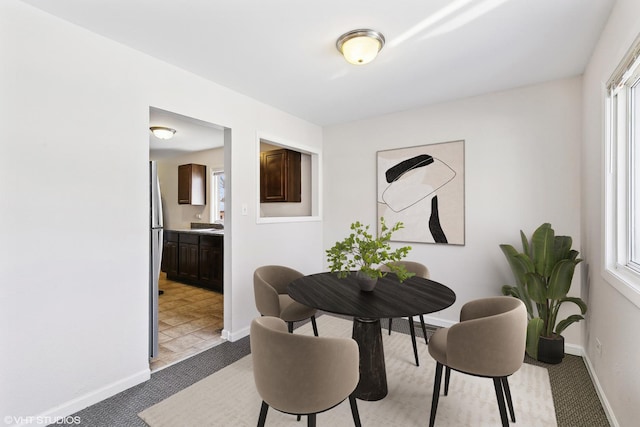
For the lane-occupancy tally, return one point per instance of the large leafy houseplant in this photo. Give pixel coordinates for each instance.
(360, 250)
(543, 272)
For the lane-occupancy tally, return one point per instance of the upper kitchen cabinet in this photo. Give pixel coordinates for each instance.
(192, 184)
(280, 177)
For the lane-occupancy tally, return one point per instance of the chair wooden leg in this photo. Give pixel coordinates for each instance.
(412, 329)
(390, 319)
(290, 325)
(497, 383)
(436, 394)
(507, 394)
(354, 411)
(315, 326)
(447, 376)
(424, 330)
(263, 414)
(311, 420)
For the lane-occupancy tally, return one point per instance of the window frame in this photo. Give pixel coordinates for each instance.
(622, 171)
(215, 196)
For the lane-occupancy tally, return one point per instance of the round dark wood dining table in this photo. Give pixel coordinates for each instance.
(389, 299)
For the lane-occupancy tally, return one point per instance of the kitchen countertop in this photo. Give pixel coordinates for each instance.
(207, 231)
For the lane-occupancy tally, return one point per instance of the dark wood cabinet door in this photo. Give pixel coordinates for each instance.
(192, 184)
(170, 258)
(217, 261)
(169, 263)
(188, 261)
(280, 176)
(211, 262)
(188, 256)
(184, 184)
(205, 270)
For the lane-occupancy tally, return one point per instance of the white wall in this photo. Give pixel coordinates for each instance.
(74, 216)
(522, 169)
(612, 319)
(180, 217)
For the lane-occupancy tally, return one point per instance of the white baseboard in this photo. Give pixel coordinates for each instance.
(71, 407)
(574, 350)
(436, 321)
(236, 335)
(603, 398)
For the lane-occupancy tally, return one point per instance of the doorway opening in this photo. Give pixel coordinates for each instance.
(186, 295)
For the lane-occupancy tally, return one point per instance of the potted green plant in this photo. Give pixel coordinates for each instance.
(543, 272)
(363, 252)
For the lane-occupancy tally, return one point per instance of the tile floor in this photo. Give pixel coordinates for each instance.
(190, 321)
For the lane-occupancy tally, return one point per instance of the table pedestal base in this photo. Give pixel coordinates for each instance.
(373, 375)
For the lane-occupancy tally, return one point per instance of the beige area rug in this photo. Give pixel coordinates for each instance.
(229, 398)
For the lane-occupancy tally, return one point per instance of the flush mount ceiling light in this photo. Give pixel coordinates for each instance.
(360, 47)
(162, 132)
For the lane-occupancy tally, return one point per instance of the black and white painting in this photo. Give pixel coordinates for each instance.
(423, 187)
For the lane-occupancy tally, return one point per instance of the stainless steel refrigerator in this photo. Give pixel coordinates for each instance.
(155, 242)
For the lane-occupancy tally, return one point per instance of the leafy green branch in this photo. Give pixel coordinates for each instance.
(362, 251)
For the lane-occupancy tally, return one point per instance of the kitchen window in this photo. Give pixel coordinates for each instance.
(217, 196)
(622, 190)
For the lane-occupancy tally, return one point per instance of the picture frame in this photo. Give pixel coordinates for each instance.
(423, 187)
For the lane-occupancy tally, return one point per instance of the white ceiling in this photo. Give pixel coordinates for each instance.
(191, 135)
(282, 52)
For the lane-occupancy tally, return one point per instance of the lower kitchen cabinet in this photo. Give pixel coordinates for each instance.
(194, 259)
(211, 262)
(170, 253)
(188, 256)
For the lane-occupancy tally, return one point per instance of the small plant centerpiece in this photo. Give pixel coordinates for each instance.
(543, 272)
(363, 252)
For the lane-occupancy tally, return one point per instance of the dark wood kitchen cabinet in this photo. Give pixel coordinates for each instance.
(280, 176)
(188, 256)
(211, 262)
(170, 253)
(192, 184)
(195, 259)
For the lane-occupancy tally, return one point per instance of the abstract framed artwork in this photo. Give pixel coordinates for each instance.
(423, 187)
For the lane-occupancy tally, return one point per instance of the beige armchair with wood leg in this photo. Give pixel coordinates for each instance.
(270, 291)
(419, 270)
(488, 341)
(300, 374)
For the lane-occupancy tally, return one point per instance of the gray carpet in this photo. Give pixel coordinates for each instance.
(574, 396)
(121, 410)
(575, 399)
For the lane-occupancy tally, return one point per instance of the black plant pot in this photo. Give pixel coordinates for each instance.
(551, 349)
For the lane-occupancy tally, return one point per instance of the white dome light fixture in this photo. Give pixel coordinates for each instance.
(162, 132)
(360, 47)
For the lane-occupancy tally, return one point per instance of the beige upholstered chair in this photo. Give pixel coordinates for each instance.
(419, 270)
(299, 374)
(488, 342)
(270, 291)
